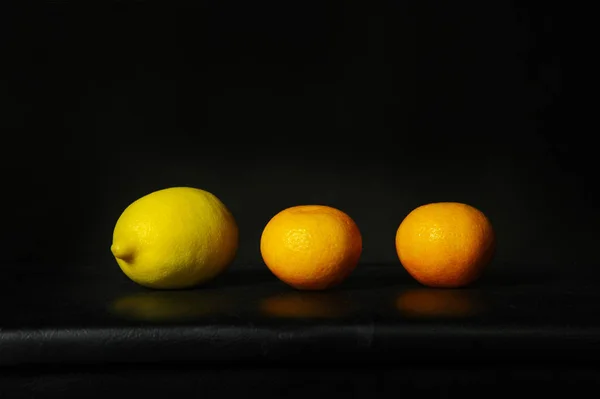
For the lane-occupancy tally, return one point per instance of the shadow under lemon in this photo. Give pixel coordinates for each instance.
(300, 305)
(440, 303)
(170, 306)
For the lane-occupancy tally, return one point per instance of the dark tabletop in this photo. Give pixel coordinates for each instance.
(247, 315)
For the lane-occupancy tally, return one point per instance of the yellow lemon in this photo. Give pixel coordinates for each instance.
(175, 238)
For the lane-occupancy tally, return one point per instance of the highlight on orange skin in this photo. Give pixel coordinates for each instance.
(439, 303)
(446, 244)
(311, 247)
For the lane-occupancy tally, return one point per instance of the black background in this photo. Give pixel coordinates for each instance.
(371, 107)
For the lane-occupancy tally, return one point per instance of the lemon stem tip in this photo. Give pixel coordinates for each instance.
(121, 252)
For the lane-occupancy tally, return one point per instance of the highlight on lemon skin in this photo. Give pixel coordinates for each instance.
(311, 247)
(445, 244)
(175, 238)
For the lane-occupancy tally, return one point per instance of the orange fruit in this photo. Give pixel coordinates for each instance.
(311, 247)
(445, 244)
